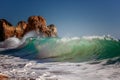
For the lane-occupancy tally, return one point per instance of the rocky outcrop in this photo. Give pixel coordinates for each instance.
(38, 24)
(35, 23)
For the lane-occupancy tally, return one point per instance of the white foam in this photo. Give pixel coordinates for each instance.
(104, 37)
(12, 42)
(29, 34)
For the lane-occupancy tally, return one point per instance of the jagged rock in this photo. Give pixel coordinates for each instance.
(20, 29)
(38, 24)
(35, 23)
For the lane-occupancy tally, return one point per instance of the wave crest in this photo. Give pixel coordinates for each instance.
(58, 49)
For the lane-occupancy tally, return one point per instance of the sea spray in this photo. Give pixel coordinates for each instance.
(10, 43)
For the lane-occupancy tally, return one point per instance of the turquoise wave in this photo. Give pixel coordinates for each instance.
(67, 49)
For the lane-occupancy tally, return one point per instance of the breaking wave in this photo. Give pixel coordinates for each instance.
(63, 49)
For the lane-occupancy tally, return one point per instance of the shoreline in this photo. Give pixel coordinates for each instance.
(22, 69)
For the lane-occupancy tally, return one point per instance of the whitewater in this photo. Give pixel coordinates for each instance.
(68, 58)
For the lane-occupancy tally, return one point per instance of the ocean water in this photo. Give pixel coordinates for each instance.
(75, 49)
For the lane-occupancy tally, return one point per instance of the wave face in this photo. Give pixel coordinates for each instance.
(67, 49)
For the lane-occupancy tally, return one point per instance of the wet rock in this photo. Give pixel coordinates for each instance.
(3, 77)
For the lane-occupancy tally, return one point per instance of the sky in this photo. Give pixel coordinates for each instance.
(71, 17)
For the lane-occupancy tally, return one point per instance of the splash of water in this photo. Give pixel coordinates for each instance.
(68, 49)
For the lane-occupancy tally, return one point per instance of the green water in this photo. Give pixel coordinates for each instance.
(68, 49)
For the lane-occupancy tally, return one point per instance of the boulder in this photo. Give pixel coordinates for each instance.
(3, 77)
